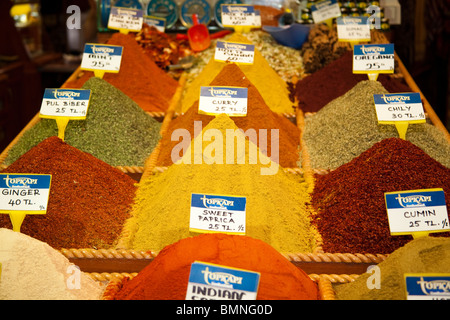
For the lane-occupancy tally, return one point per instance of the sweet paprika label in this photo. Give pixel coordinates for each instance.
(72, 103)
(325, 10)
(427, 286)
(126, 19)
(217, 213)
(239, 53)
(215, 282)
(106, 58)
(219, 99)
(414, 211)
(240, 15)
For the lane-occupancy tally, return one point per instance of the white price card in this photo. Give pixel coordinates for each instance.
(24, 192)
(351, 28)
(217, 213)
(71, 103)
(239, 53)
(209, 281)
(240, 15)
(129, 19)
(101, 57)
(229, 100)
(427, 286)
(157, 22)
(417, 211)
(399, 107)
(325, 10)
(373, 58)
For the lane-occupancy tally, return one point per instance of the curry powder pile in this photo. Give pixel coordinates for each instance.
(89, 200)
(271, 86)
(116, 130)
(259, 116)
(167, 276)
(276, 211)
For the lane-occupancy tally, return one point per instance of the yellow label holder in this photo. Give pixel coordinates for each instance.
(402, 126)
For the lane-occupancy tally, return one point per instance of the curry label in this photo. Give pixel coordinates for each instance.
(353, 28)
(217, 213)
(324, 10)
(239, 53)
(240, 15)
(126, 19)
(215, 282)
(427, 286)
(24, 192)
(417, 211)
(399, 107)
(101, 57)
(72, 103)
(373, 58)
(229, 100)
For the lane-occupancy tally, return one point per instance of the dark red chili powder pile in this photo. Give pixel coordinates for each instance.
(349, 201)
(335, 79)
(89, 200)
(259, 116)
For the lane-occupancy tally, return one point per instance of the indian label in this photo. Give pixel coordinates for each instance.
(24, 192)
(73, 103)
(353, 28)
(417, 211)
(101, 57)
(215, 282)
(229, 100)
(240, 15)
(373, 58)
(324, 10)
(399, 107)
(432, 286)
(239, 53)
(217, 213)
(126, 19)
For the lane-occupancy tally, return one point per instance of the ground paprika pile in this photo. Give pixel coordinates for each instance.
(89, 200)
(139, 76)
(166, 277)
(349, 201)
(259, 116)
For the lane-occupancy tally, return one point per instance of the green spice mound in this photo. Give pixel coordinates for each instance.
(422, 255)
(116, 129)
(348, 126)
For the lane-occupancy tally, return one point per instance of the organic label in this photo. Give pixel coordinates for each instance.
(106, 58)
(373, 58)
(353, 29)
(126, 19)
(399, 107)
(417, 211)
(217, 213)
(229, 100)
(72, 103)
(240, 15)
(425, 286)
(239, 53)
(214, 282)
(324, 10)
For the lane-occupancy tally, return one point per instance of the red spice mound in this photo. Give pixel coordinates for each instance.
(89, 200)
(259, 116)
(166, 277)
(349, 201)
(335, 79)
(139, 76)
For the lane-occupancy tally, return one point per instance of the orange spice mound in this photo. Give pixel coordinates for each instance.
(259, 116)
(167, 276)
(139, 76)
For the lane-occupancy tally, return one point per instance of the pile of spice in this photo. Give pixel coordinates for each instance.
(420, 256)
(167, 276)
(349, 201)
(89, 200)
(348, 126)
(32, 270)
(161, 212)
(139, 77)
(116, 129)
(313, 92)
(273, 89)
(259, 116)
(322, 47)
